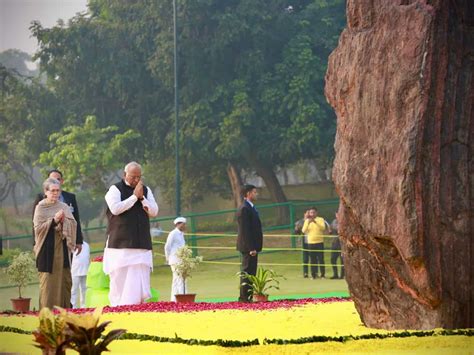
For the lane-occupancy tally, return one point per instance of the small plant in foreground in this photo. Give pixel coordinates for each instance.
(79, 332)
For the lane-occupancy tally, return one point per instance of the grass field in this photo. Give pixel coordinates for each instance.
(218, 281)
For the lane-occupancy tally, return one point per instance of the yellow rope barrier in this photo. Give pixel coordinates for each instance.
(263, 264)
(235, 235)
(264, 249)
(260, 263)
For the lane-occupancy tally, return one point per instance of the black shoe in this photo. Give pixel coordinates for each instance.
(335, 277)
(305, 276)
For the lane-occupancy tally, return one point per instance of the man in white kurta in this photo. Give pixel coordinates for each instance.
(79, 267)
(175, 241)
(128, 258)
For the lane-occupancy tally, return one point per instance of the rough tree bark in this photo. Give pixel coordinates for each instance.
(233, 173)
(15, 199)
(401, 82)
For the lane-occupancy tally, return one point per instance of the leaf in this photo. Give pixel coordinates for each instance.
(111, 336)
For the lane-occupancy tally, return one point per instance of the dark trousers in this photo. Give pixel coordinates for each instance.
(305, 258)
(316, 256)
(249, 265)
(334, 257)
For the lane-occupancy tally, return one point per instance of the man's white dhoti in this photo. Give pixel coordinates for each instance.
(129, 271)
(177, 285)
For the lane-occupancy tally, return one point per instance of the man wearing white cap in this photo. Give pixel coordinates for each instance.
(173, 243)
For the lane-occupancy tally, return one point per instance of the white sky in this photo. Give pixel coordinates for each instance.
(16, 17)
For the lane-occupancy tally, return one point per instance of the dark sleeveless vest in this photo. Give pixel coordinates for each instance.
(130, 229)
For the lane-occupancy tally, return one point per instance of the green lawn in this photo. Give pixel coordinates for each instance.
(218, 281)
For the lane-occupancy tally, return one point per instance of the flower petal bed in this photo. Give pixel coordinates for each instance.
(205, 306)
(235, 323)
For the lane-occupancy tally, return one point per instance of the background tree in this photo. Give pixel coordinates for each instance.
(251, 83)
(89, 154)
(17, 61)
(97, 64)
(28, 114)
(252, 77)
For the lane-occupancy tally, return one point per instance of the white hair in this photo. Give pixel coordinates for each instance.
(50, 181)
(132, 164)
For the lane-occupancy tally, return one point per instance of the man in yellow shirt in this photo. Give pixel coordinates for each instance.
(315, 227)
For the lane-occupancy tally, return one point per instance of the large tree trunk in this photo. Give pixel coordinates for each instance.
(14, 199)
(274, 188)
(235, 183)
(401, 82)
(5, 189)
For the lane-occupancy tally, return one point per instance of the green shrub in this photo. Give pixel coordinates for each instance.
(8, 255)
(21, 270)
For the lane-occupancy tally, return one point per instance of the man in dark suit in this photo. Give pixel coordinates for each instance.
(69, 199)
(249, 238)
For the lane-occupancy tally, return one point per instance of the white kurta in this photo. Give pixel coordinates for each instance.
(79, 267)
(174, 241)
(129, 269)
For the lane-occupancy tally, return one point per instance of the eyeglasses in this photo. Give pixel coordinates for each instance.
(134, 177)
(55, 190)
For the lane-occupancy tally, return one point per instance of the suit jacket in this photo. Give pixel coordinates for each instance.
(250, 236)
(70, 200)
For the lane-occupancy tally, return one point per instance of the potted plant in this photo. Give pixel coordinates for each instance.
(21, 271)
(261, 282)
(184, 269)
(80, 332)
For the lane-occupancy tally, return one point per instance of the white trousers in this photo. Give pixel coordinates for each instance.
(177, 285)
(78, 289)
(130, 285)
